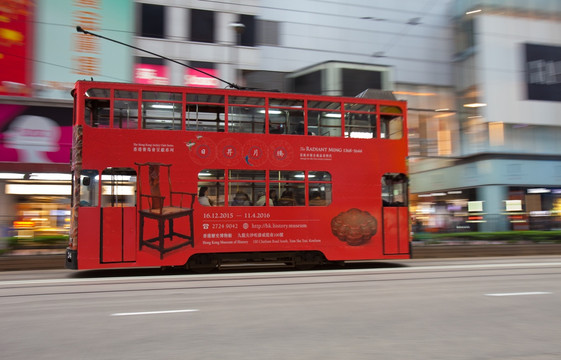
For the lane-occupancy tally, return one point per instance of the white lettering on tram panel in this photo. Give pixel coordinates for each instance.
(153, 148)
(226, 231)
(325, 153)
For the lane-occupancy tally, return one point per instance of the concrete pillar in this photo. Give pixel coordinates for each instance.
(493, 197)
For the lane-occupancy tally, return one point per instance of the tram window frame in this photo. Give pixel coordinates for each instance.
(128, 120)
(162, 110)
(89, 188)
(214, 180)
(363, 119)
(97, 107)
(125, 101)
(325, 123)
(325, 118)
(97, 113)
(246, 114)
(121, 183)
(249, 183)
(323, 190)
(209, 112)
(290, 186)
(390, 116)
(319, 182)
(395, 190)
(287, 116)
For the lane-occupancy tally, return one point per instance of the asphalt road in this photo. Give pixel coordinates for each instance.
(474, 308)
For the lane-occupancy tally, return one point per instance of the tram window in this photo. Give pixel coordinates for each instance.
(88, 118)
(118, 187)
(245, 193)
(126, 94)
(391, 126)
(290, 194)
(203, 117)
(286, 116)
(360, 125)
(125, 114)
(246, 114)
(246, 120)
(211, 174)
(255, 175)
(286, 103)
(290, 187)
(213, 180)
(394, 189)
(320, 194)
(319, 176)
(245, 186)
(194, 98)
(369, 108)
(161, 96)
(89, 184)
(286, 121)
(161, 115)
(278, 122)
(324, 123)
(214, 192)
(98, 93)
(286, 175)
(97, 113)
(324, 105)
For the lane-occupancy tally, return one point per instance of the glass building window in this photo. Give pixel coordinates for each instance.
(151, 21)
(248, 35)
(202, 26)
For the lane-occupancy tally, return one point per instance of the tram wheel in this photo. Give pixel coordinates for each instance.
(202, 263)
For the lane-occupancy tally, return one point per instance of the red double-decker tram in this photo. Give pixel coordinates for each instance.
(178, 176)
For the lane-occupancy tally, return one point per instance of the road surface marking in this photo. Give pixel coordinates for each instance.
(155, 312)
(520, 293)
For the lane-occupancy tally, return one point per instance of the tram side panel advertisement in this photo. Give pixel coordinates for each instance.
(318, 194)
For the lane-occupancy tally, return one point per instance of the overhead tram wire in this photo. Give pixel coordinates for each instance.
(82, 30)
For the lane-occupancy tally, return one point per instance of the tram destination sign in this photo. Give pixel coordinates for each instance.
(543, 72)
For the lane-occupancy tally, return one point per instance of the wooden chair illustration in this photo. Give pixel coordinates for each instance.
(157, 210)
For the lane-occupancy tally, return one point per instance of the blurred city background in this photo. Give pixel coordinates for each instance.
(482, 80)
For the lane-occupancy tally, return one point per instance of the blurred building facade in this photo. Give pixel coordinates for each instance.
(478, 77)
(507, 67)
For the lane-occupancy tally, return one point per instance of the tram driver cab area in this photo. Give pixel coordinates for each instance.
(394, 189)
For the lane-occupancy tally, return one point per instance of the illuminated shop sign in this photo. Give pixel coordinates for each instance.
(151, 74)
(16, 47)
(196, 78)
(35, 134)
(543, 72)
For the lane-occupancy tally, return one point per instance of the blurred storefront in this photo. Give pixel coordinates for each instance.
(524, 208)
(41, 56)
(34, 169)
